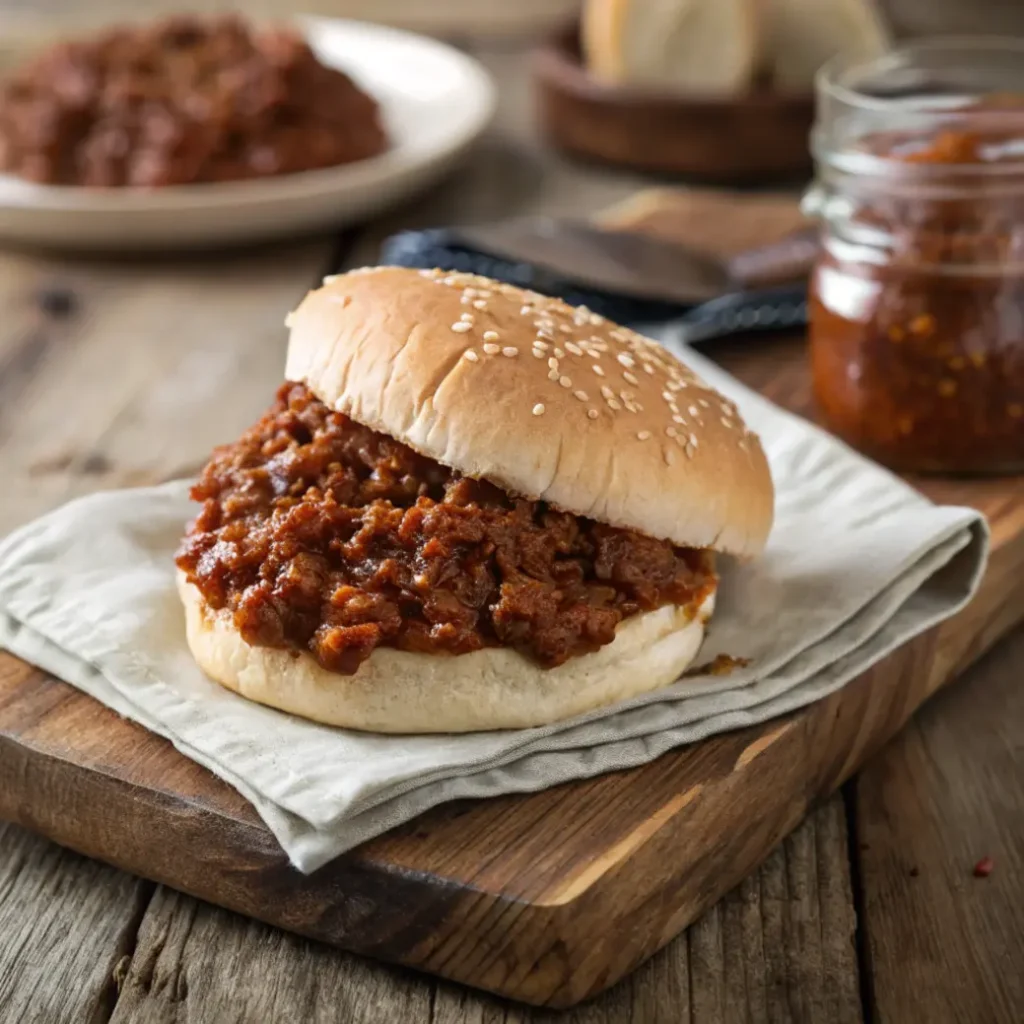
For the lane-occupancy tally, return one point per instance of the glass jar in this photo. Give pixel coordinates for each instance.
(917, 298)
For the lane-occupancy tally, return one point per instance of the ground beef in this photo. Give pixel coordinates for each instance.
(321, 535)
(185, 100)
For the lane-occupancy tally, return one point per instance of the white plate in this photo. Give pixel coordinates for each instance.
(435, 102)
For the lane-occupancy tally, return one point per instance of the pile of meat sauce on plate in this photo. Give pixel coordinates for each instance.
(183, 101)
(321, 535)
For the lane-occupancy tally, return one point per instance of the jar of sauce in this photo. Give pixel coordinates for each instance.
(917, 298)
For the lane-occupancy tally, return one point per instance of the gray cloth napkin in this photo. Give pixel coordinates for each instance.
(857, 564)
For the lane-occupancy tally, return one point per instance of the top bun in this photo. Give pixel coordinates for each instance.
(543, 399)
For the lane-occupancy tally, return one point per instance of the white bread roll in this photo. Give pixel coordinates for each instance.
(803, 34)
(694, 47)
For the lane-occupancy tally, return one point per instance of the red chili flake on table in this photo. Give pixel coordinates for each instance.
(983, 868)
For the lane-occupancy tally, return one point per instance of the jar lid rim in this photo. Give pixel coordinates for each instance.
(829, 83)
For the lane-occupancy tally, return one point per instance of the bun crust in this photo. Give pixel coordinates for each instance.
(401, 692)
(544, 400)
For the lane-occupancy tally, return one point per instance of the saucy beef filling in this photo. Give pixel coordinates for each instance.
(321, 535)
(185, 100)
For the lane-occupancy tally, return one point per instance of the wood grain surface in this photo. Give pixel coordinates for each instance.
(928, 809)
(777, 948)
(56, 902)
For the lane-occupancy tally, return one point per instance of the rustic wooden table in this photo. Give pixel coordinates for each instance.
(121, 373)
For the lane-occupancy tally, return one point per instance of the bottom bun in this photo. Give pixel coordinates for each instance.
(404, 692)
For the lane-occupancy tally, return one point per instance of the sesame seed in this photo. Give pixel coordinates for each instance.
(678, 419)
(592, 414)
(701, 402)
(648, 368)
(643, 435)
(607, 391)
(674, 385)
(492, 350)
(612, 404)
(565, 382)
(510, 351)
(693, 410)
(468, 317)
(525, 311)
(538, 353)
(553, 363)
(542, 345)
(693, 440)
(667, 395)
(559, 352)
(479, 304)
(574, 349)
(484, 293)
(581, 395)
(471, 356)
(727, 423)
(630, 378)
(671, 431)
(565, 328)
(552, 375)
(490, 335)
(462, 327)
(626, 359)
(538, 409)
(597, 369)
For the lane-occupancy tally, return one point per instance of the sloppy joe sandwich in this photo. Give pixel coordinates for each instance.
(469, 507)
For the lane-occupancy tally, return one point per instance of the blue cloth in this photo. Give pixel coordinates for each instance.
(775, 308)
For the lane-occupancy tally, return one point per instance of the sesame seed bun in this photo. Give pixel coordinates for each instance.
(402, 692)
(542, 399)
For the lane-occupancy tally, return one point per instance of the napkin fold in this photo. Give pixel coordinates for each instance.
(857, 564)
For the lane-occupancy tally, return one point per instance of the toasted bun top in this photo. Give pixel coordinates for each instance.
(543, 399)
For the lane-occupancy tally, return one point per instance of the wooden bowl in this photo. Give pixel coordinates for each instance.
(739, 140)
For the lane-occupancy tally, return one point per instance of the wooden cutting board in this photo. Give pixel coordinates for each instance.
(547, 898)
